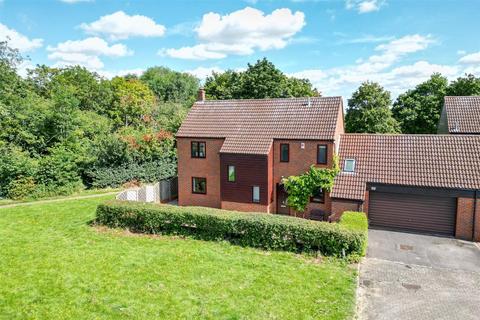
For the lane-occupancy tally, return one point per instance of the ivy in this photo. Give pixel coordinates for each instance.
(301, 188)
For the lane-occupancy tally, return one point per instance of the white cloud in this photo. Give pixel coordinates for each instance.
(86, 52)
(472, 58)
(120, 73)
(19, 41)
(119, 25)
(203, 72)
(382, 67)
(241, 33)
(364, 6)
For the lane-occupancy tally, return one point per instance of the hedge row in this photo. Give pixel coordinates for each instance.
(260, 230)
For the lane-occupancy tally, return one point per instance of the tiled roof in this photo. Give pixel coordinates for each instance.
(444, 161)
(249, 126)
(463, 114)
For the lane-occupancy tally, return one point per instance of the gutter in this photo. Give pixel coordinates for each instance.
(474, 214)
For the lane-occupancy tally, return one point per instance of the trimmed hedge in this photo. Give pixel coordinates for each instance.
(260, 230)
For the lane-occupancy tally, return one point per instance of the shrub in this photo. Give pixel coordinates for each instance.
(356, 221)
(145, 172)
(273, 232)
(21, 188)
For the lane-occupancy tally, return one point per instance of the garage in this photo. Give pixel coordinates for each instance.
(415, 212)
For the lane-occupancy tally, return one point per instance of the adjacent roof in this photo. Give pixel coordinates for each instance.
(444, 161)
(463, 114)
(249, 126)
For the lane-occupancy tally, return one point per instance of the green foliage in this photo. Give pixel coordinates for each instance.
(369, 111)
(358, 222)
(132, 102)
(171, 86)
(272, 232)
(21, 188)
(14, 163)
(153, 171)
(418, 110)
(469, 85)
(301, 188)
(260, 80)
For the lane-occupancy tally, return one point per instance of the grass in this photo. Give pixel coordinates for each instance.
(53, 265)
(86, 192)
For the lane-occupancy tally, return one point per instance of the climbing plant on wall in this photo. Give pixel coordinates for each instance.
(301, 188)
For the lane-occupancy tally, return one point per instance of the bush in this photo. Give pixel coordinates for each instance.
(21, 188)
(145, 172)
(273, 232)
(356, 221)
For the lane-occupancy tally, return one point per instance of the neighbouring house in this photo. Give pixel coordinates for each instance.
(233, 154)
(460, 115)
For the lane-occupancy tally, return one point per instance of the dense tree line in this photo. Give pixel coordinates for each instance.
(418, 110)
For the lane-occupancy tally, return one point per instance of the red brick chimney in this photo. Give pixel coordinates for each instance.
(201, 94)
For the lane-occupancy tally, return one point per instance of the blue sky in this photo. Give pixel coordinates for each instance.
(337, 44)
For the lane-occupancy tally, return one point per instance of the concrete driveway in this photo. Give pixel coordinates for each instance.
(409, 276)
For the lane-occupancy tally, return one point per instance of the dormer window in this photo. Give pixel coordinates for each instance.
(349, 165)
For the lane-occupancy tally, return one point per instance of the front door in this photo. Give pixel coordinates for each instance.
(282, 207)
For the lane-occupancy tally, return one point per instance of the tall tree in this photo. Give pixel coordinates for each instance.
(469, 85)
(132, 103)
(369, 110)
(418, 110)
(260, 80)
(171, 86)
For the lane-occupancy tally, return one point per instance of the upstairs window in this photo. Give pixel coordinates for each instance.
(322, 154)
(318, 196)
(199, 185)
(284, 152)
(231, 174)
(349, 165)
(198, 149)
(256, 194)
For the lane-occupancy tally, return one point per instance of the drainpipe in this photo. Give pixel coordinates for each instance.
(474, 214)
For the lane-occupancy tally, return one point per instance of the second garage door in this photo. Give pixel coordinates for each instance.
(412, 212)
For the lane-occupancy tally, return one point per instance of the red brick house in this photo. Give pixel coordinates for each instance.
(233, 155)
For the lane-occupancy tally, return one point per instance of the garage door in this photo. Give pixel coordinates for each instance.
(412, 212)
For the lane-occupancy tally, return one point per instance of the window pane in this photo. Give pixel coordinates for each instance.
(322, 154)
(194, 149)
(318, 196)
(349, 165)
(201, 149)
(199, 185)
(231, 173)
(256, 194)
(284, 152)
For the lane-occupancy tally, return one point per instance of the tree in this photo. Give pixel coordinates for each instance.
(418, 110)
(369, 110)
(260, 80)
(171, 86)
(469, 85)
(132, 102)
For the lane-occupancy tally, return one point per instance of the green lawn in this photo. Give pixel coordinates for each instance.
(54, 266)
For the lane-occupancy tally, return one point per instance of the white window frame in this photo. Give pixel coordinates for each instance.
(254, 200)
(345, 165)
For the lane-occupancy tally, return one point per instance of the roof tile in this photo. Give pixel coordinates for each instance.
(463, 114)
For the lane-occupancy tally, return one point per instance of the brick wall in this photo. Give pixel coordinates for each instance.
(300, 161)
(339, 206)
(464, 218)
(246, 207)
(208, 168)
(477, 223)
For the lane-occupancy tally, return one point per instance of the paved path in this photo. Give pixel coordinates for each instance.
(57, 200)
(408, 276)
